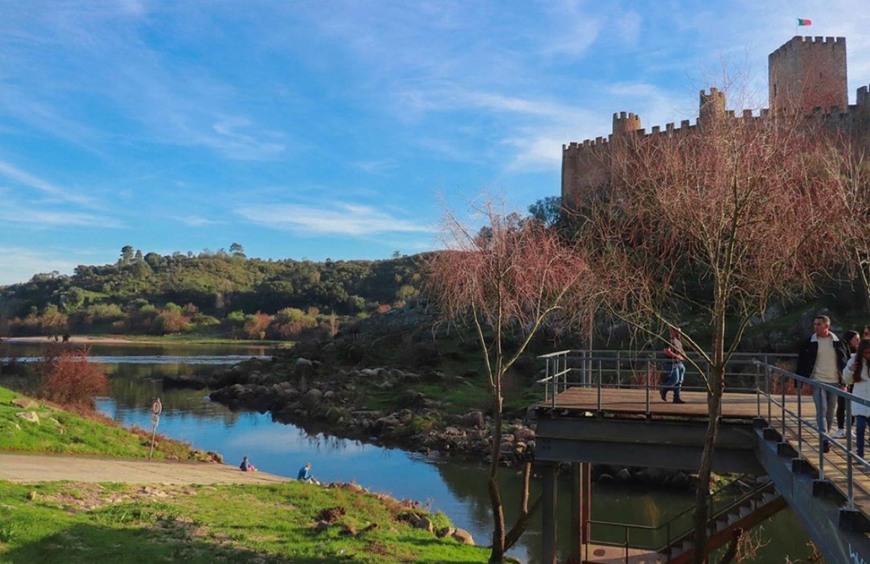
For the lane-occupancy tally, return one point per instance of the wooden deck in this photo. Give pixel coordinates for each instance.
(633, 403)
(628, 401)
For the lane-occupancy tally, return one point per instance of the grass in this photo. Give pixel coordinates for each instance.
(79, 433)
(89, 523)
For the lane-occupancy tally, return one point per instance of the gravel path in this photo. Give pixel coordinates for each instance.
(45, 468)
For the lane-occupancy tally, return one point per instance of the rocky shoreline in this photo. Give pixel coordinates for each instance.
(297, 392)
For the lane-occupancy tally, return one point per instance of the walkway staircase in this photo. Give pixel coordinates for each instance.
(742, 514)
(738, 505)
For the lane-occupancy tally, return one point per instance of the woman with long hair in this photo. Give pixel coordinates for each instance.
(857, 373)
(852, 338)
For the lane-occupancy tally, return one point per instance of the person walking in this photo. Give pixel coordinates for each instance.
(677, 371)
(822, 357)
(857, 373)
(852, 338)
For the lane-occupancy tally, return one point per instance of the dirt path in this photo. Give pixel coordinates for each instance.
(43, 468)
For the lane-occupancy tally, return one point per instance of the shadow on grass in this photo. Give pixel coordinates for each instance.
(441, 548)
(90, 544)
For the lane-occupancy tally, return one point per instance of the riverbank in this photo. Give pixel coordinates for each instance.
(278, 523)
(186, 511)
(144, 340)
(393, 408)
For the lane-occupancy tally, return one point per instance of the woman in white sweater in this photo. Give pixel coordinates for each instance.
(857, 372)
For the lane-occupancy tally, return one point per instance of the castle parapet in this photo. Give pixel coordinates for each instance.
(625, 122)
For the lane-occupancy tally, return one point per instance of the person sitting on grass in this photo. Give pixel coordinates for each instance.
(246, 465)
(305, 474)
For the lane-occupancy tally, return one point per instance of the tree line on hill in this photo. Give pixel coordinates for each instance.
(219, 293)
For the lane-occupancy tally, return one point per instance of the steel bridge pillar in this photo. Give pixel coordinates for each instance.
(548, 513)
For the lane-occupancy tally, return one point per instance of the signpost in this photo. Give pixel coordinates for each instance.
(156, 409)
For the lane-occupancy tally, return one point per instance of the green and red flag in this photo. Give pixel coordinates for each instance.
(804, 21)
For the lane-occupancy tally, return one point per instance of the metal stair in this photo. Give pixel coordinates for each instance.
(744, 512)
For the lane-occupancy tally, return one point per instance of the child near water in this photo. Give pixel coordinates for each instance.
(246, 465)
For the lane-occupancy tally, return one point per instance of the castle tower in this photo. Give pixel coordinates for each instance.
(807, 73)
(711, 106)
(625, 122)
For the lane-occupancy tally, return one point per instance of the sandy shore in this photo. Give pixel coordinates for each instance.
(80, 340)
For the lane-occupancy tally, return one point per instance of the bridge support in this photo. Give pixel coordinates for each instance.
(548, 513)
(581, 508)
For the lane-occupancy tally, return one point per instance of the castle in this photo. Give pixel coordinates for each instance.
(806, 74)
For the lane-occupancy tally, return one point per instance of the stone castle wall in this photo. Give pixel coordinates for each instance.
(805, 73)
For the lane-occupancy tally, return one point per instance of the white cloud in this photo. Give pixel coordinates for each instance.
(340, 219)
(31, 181)
(35, 218)
(196, 221)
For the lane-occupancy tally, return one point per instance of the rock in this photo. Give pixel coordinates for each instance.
(320, 526)
(312, 397)
(30, 416)
(623, 475)
(425, 523)
(605, 479)
(463, 536)
(25, 403)
(347, 530)
(446, 531)
(330, 514)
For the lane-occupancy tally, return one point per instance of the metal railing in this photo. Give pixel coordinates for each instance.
(782, 399)
(721, 503)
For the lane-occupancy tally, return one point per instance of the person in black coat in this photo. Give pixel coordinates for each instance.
(822, 357)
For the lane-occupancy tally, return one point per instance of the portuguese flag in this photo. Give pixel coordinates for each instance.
(802, 21)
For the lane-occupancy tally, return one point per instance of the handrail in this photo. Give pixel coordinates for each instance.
(713, 516)
(780, 397)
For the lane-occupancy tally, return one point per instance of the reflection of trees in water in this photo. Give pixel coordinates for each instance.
(315, 437)
(467, 482)
(134, 387)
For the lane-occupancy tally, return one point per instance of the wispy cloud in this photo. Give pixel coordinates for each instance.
(28, 180)
(196, 221)
(36, 218)
(339, 219)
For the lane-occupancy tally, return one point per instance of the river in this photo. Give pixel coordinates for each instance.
(454, 487)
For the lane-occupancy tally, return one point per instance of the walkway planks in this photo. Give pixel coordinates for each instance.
(634, 401)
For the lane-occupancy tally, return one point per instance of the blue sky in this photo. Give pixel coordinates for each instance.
(331, 129)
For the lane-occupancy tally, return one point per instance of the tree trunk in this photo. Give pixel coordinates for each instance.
(716, 385)
(498, 531)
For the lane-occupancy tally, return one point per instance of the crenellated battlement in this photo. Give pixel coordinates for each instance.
(806, 74)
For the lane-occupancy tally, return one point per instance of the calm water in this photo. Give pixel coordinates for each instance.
(453, 487)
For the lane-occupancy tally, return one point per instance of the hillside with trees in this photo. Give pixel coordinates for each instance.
(218, 293)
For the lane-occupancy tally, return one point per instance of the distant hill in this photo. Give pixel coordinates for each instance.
(150, 293)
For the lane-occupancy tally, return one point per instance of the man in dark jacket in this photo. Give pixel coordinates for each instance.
(822, 357)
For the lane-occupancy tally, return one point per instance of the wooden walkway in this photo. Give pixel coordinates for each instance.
(633, 403)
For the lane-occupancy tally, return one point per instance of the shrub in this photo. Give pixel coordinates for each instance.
(69, 379)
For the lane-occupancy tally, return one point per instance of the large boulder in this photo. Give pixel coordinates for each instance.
(463, 536)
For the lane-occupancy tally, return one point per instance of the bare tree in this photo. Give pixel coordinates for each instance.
(506, 281)
(719, 219)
